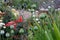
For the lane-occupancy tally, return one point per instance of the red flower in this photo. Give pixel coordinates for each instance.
(20, 19)
(14, 22)
(11, 23)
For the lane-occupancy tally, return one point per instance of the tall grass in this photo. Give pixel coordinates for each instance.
(49, 28)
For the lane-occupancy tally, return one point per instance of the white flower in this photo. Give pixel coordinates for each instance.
(1, 24)
(7, 35)
(4, 27)
(33, 15)
(13, 10)
(37, 19)
(49, 6)
(11, 26)
(37, 11)
(2, 32)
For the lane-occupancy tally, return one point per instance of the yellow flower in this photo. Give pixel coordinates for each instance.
(15, 12)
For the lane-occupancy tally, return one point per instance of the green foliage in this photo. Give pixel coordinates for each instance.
(9, 16)
(26, 4)
(49, 27)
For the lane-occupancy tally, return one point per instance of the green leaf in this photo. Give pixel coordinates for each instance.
(56, 31)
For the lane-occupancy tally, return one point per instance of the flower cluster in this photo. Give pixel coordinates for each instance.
(12, 28)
